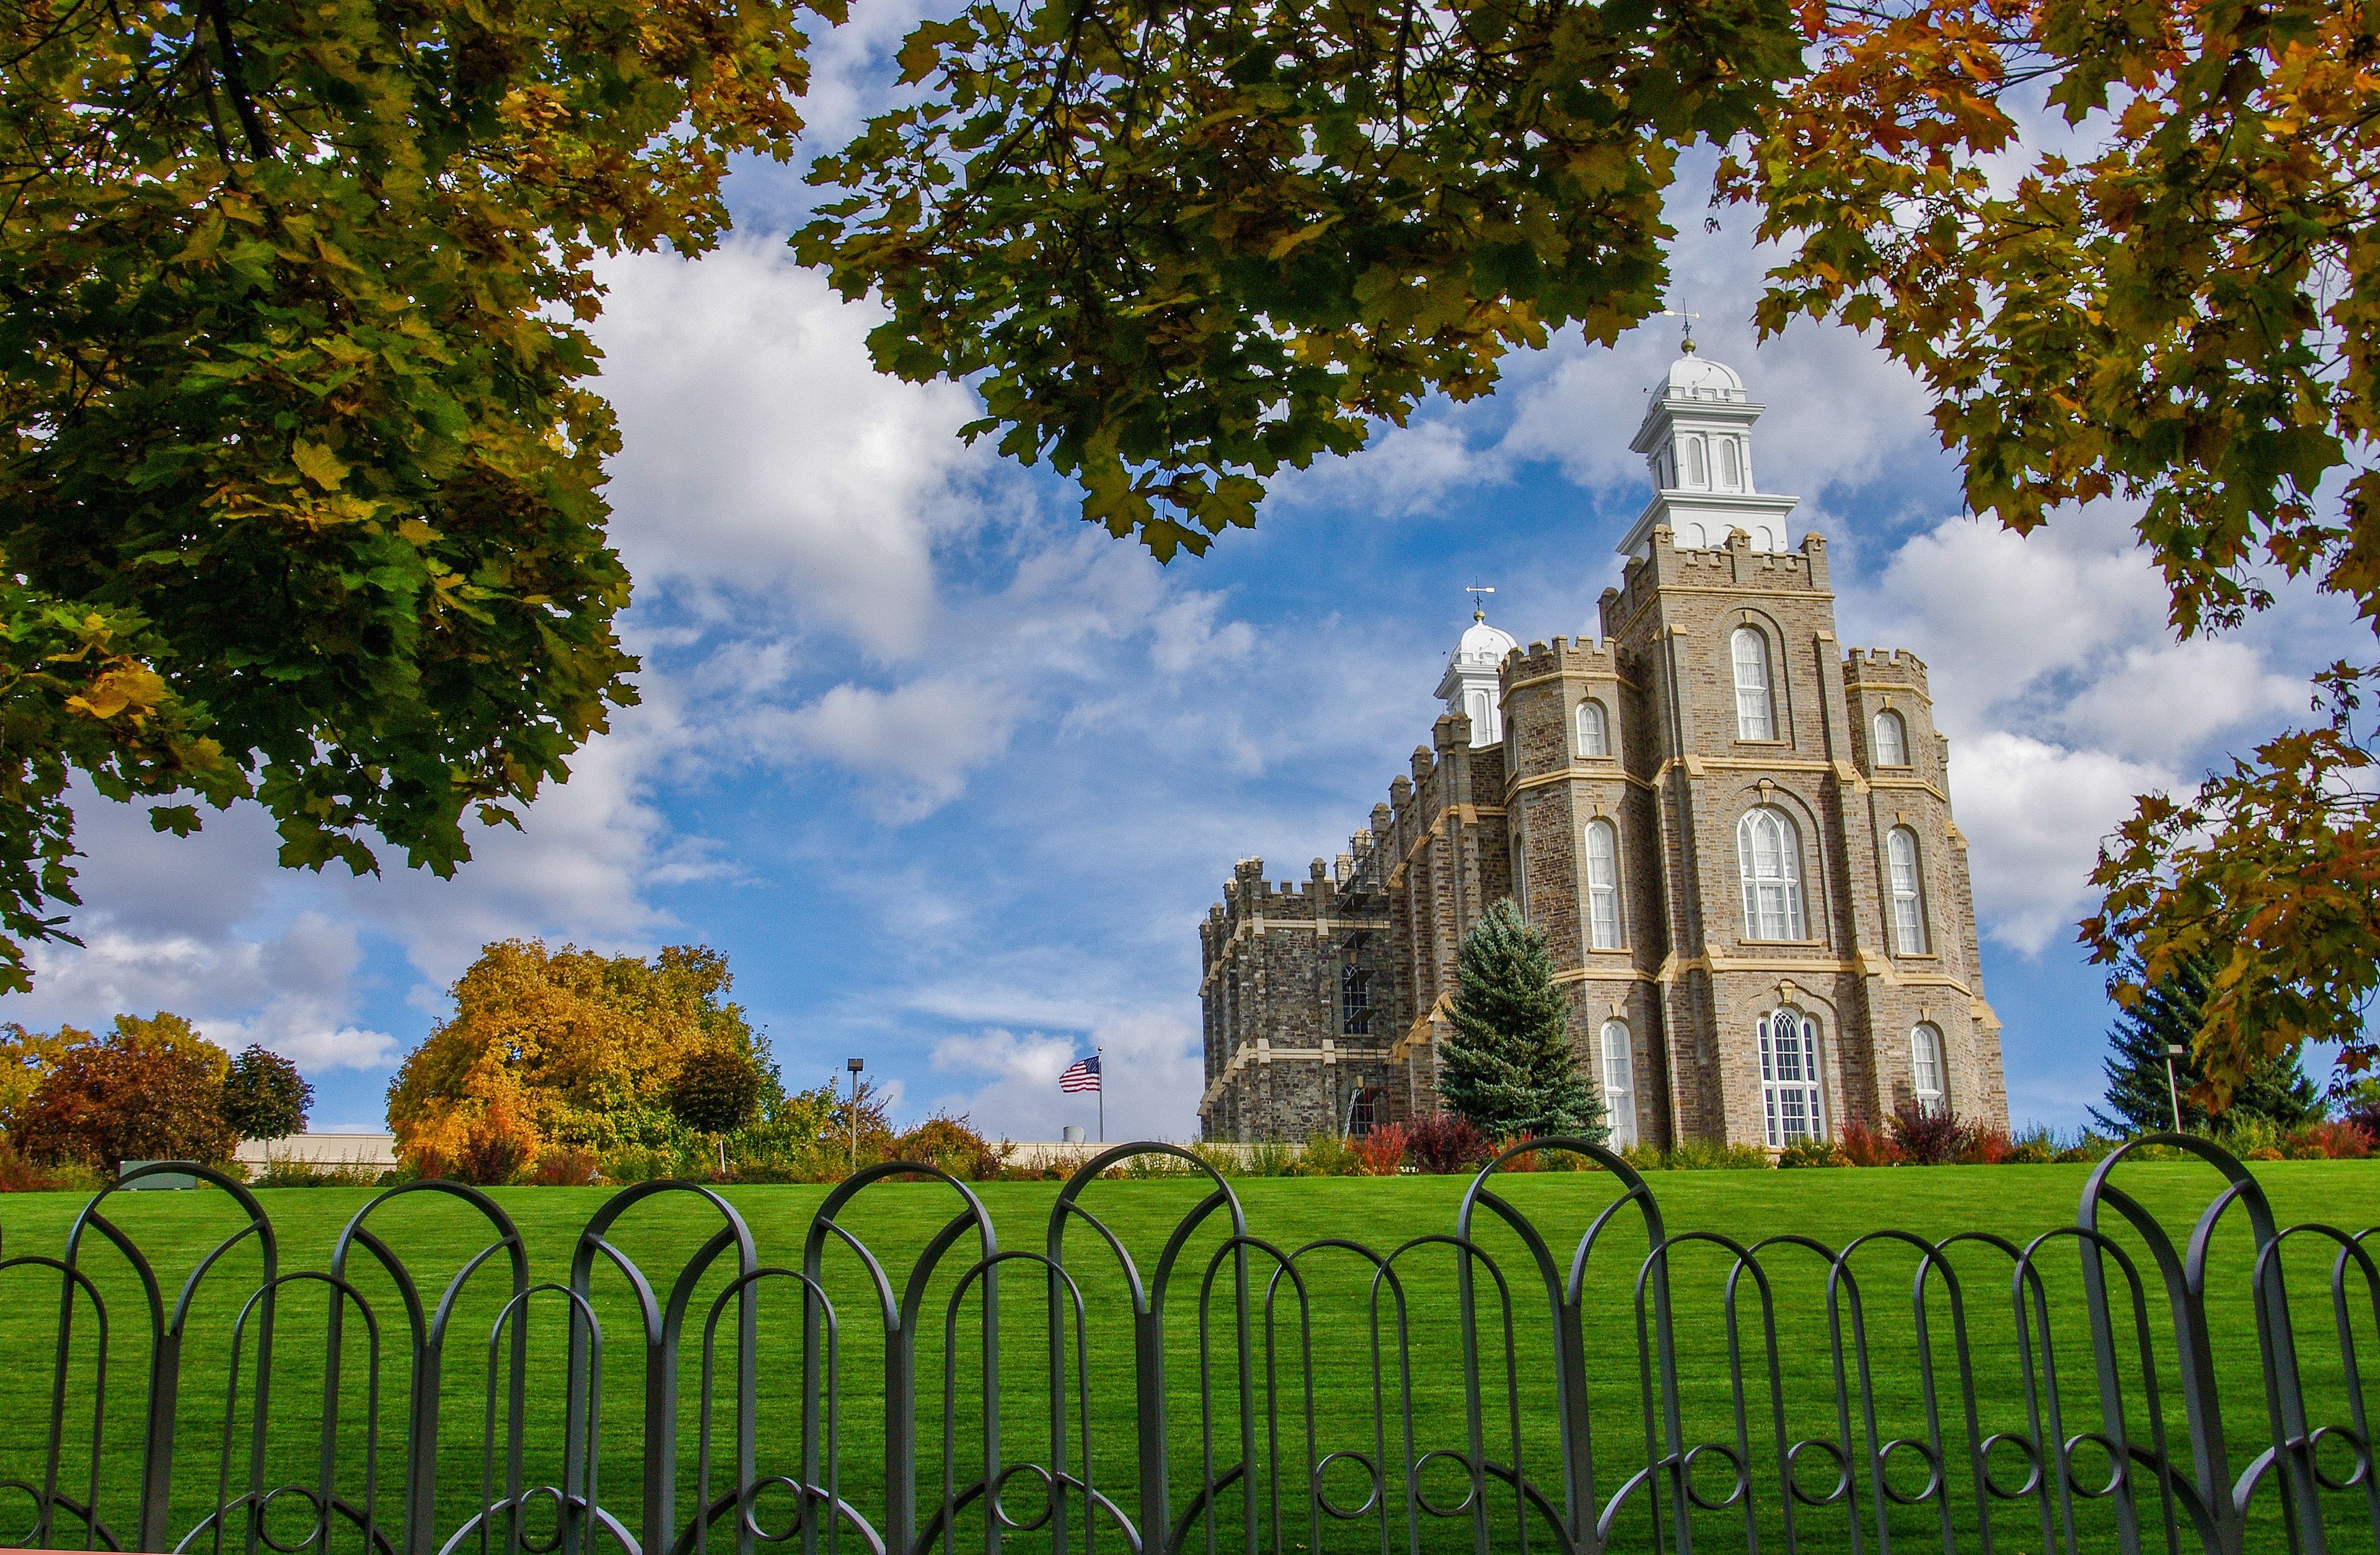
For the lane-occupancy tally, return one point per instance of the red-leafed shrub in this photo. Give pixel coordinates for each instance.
(2335, 1141)
(1861, 1146)
(1529, 1162)
(564, 1169)
(1446, 1142)
(1987, 1146)
(1382, 1153)
(1925, 1138)
(19, 1175)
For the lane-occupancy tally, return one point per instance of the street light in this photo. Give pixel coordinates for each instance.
(854, 1066)
(2173, 1092)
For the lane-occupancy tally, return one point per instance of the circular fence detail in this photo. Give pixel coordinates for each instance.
(1421, 1491)
(2029, 1453)
(1006, 1518)
(1322, 1488)
(1736, 1490)
(540, 1495)
(2359, 1465)
(316, 1525)
(1926, 1455)
(2117, 1470)
(1842, 1465)
(748, 1513)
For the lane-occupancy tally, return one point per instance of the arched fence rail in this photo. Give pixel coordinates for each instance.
(1175, 1382)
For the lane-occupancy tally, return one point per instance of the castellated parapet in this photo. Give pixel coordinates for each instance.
(1735, 836)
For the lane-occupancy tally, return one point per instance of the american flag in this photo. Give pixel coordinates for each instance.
(1081, 1075)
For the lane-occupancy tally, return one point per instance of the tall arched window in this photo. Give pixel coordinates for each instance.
(1891, 740)
(1603, 884)
(1520, 877)
(1789, 1094)
(1730, 471)
(1619, 1083)
(1481, 712)
(1908, 894)
(1755, 718)
(1593, 730)
(1926, 1068)
(1694, 473)
(1768, 852)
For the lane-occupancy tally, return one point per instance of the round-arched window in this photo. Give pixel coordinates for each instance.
(1891, 740)
(1755, 717)
(1594, 729)
(1768, 854)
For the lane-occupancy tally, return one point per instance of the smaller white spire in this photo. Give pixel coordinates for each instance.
(1471, 685)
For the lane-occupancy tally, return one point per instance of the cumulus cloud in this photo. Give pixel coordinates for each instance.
(764, 458)
(2034, 813)
(1007, 1080)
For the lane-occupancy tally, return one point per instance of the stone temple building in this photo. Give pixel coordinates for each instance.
(1735, 834)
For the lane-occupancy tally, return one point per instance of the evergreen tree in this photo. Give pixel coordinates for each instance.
(1509, 1065)
(2276, 1090)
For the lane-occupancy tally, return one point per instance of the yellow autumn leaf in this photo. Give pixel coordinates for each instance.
(413, 531)
(318, 464)
(130, 686)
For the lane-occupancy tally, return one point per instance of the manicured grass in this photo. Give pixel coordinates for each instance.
(898, 1219)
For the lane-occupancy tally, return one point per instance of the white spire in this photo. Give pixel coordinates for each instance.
(1696, 440)
(1470, 685)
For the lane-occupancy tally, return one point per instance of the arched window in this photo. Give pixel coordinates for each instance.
(1483, 717)
(1755, 718)
(1594, 729)
(1891, 740)
(1730, 472)
(1694, 472)
(1768, 851)
(1619, 1084)
(1926, 1068)
(1603, 884)
(1520, 877)
(1908, 897)
(1789, 1077)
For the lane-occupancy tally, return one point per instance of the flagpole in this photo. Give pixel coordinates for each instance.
(1103, 1094)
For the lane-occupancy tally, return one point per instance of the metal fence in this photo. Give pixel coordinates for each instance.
(1489, 1385)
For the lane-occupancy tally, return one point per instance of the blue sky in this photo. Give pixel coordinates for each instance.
(951, 776)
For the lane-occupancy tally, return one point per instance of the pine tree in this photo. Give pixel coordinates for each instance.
(2276, 1090)
(1509, 1065)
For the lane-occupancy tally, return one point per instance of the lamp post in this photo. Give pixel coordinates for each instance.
(854, 1066)
(2173, 1092)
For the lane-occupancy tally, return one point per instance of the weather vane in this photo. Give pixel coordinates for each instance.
(1478, 603)
(1687, 327)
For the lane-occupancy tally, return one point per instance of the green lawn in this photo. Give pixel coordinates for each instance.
(1338, 1331)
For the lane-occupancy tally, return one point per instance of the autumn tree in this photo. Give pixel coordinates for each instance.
(149, 1090)
(299, 461)
(1508, 1066)
(264, 1096)
(565, 1048)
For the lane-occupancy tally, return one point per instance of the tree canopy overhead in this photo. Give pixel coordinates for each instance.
(1185, 244)
(299, 462)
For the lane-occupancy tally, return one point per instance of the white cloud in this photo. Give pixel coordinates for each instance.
(1007, 1081)
(293, 990)
(2034, 814)
(764, 458)
(924, 735)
